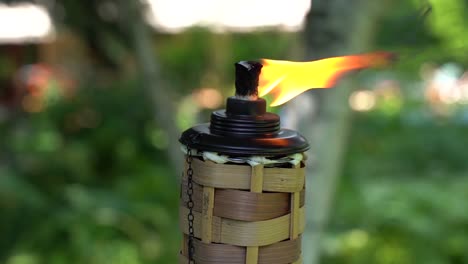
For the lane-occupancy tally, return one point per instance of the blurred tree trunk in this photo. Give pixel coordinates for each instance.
(333, 28)
(155, 85)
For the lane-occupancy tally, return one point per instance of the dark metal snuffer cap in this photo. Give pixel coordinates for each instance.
(244, 128)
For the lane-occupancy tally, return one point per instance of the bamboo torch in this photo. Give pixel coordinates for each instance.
(242, 198)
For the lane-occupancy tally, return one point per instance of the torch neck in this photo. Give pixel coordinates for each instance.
(249, 108)
(244, 118)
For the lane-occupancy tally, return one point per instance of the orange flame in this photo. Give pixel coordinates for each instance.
(287, 79)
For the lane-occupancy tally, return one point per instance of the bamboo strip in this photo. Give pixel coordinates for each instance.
(207, 213)
(217, 253)
(256, 179)
(243, 205)
(243, 233)
(226, 176)
(256, 186)
(295, 203)
(283, 252)
(251, 255)
(286, 251)
(248, 206)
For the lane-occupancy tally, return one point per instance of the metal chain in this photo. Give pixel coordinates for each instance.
(190, 216)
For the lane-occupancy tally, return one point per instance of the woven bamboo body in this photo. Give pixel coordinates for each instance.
(245, 214)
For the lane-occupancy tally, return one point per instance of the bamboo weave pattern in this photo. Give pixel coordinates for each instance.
(244, 214)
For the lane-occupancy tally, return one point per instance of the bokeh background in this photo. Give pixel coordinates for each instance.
(94, 93)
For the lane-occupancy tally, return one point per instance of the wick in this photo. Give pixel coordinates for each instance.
(247, 74)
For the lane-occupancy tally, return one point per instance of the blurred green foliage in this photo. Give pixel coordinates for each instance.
(87, 180)
(403, 192)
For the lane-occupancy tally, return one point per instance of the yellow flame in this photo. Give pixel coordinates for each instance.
(286, 79)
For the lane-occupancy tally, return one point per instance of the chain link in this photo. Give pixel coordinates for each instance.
(190, 216)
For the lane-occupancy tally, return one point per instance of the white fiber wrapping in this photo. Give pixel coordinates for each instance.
(215, 157)
(251, 160)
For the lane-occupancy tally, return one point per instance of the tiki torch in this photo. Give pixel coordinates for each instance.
(242, 198)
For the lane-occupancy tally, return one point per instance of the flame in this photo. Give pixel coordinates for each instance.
(286, 79)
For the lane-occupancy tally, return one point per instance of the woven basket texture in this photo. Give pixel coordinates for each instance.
(244, 214)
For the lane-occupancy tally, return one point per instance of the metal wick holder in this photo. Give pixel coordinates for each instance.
(244, 128)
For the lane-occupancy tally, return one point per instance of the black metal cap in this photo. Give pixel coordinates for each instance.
(244, 128)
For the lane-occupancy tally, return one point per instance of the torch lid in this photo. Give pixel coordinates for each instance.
(244, 128)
